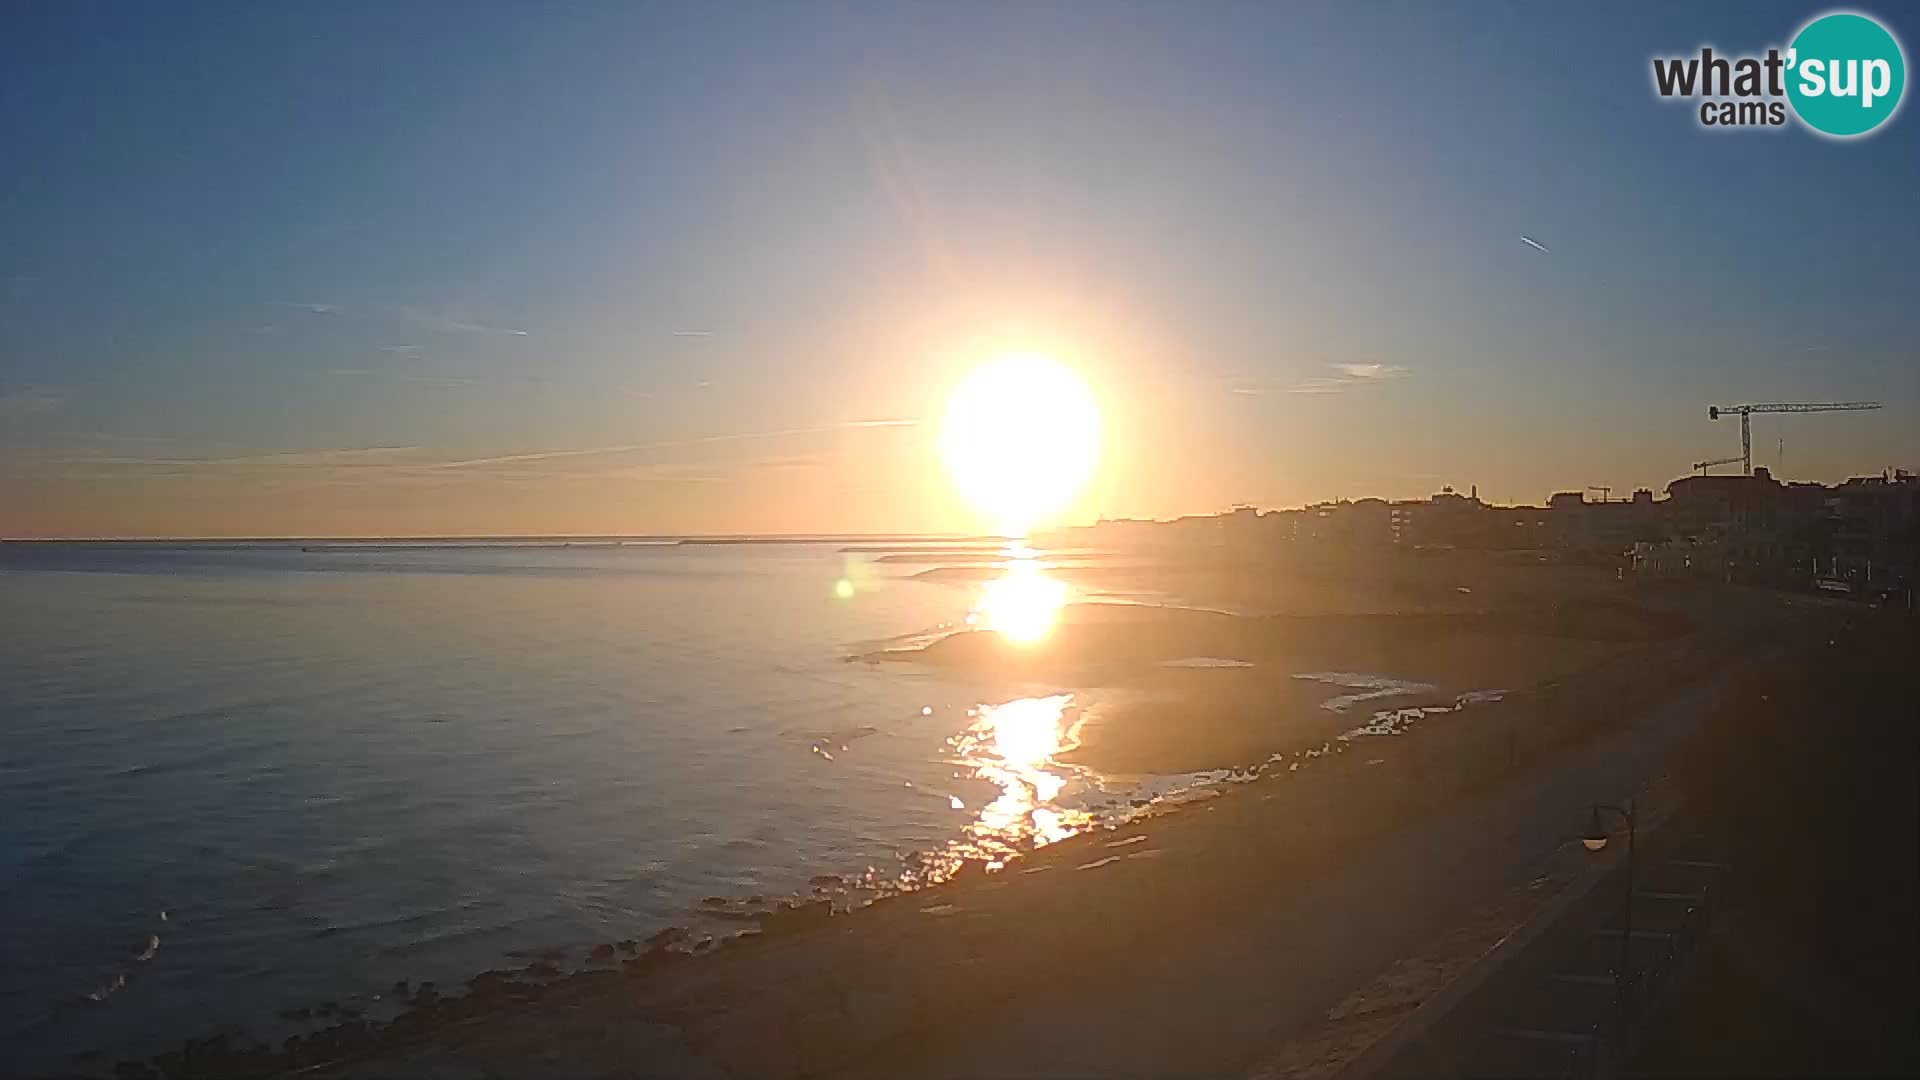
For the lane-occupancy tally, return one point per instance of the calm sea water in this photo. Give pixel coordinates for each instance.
(247, 778)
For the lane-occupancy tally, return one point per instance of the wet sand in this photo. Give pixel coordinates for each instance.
(1184, 690)
(912, 984)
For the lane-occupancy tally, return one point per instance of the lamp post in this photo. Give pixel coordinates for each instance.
(1595, 839)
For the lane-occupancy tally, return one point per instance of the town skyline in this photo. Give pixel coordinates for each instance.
(1898, 479)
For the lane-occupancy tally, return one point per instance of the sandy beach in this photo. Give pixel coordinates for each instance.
(1015, 972)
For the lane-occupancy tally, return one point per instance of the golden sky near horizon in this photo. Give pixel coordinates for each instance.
(512, 282)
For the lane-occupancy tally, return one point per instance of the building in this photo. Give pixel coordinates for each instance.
(1859, 536)
(1767, 531)
(1873, 531)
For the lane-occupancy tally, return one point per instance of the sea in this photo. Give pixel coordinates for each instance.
(240, 780)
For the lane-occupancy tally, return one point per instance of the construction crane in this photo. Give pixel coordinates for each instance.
(1746, 421)
(1702, 466)
(1604, 491)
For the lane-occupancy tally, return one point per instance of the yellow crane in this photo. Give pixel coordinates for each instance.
(1714, 412)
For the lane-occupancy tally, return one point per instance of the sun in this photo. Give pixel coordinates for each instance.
(1021, 439)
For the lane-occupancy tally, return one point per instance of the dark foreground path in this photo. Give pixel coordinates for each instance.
(1816, 792)
(1214, 1006)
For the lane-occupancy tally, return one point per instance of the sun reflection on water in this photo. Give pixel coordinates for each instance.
(1013, 745)
(1023, 604)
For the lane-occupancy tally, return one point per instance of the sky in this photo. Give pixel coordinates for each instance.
(458, 269)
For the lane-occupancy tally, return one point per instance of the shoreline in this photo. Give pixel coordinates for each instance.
(430, 1016)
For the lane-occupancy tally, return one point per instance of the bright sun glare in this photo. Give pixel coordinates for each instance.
(1021, 439)
(1023, 603)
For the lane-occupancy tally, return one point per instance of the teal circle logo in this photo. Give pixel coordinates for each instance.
(1845, 73)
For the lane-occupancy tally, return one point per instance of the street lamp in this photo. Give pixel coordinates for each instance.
(1595, 839)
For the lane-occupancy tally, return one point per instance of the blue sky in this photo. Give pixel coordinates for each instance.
(451, 268)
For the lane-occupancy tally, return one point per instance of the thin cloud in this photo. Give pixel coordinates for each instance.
(1536, 245)
(1350, 375)
(403, 350)
(782, 433)
(351, 457)
(457, 327)
(785, 461)
(1242, 382)
(448, 325)
(693, 333)
(705, 472)
(318, 309)
(1371, 372)
(1318, 386)
(545, 455)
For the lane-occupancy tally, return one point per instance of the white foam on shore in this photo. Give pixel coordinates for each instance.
(1474, 697)
(1370, 687)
